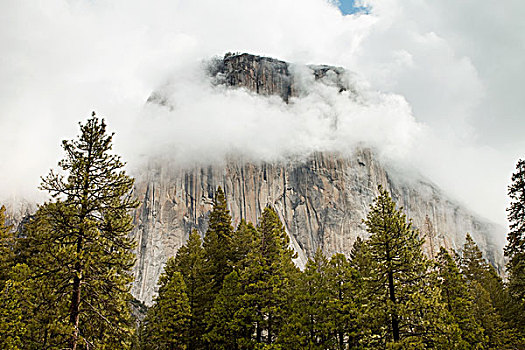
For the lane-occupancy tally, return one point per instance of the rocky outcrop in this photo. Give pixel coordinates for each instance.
(321, 198)
(268, 76)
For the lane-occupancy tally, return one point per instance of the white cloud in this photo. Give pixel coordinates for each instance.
(209, 123)
(449, 75)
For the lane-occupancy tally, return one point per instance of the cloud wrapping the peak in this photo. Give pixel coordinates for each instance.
(442, 82)
(201, 122)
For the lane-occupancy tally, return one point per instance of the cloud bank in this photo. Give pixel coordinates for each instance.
(199, 121)
(441, 82)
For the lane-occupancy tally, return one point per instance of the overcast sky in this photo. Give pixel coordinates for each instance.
(445, 80)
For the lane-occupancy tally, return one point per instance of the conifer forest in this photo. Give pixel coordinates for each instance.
(66, 271)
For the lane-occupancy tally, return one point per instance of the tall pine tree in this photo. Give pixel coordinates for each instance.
(267, 276)
(217, 243)
(81, 251)
(402, 299)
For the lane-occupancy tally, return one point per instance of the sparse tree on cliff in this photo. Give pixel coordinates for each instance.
(81, 251)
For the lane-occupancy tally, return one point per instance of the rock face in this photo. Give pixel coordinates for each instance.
(268, 76)
(321, 198)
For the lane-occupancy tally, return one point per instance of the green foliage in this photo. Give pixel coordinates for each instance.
(310, 324)
(473, 265)
(190, 263)
(14, 304)
(80, 250)
(12, 290)
(324, 312)
(515, 249)
(402, 302)
(65, 285)
(7, 247)
(488, 295)
(267, 279)
(226, 320)
(455, 295)
(516, 216)
(167, 324)
(241, 243)
(345, 302)
(217, 246)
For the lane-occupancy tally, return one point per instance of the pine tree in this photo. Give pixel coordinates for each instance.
(267, 278)
(310, 324)
(15, 291)
(241, 242)
(476, 268)
(344, 303)
(473, 265)
(14, 305)
(189, 261)
(217, 243)
(488, 293)
(402, 298)
(365, 323)
(226, 320)
(515, 249)
(81, 252)
(358, 256)
(455, 295)
(167, 323)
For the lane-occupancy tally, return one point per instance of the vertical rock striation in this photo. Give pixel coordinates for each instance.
(321, 201)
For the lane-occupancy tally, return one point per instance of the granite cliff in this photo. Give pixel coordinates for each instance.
(321, 197)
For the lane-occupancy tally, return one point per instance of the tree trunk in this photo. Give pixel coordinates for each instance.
(74, 315)
(258, 333)
(74, 312)
(395, 321)
(269, 337)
